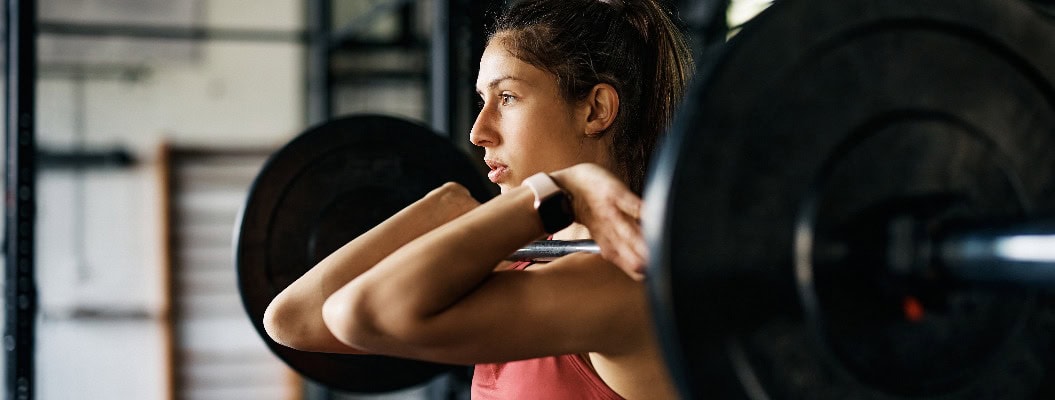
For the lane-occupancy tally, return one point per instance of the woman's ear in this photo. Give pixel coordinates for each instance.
(603, 105)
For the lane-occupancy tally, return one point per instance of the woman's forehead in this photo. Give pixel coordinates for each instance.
(498, 65)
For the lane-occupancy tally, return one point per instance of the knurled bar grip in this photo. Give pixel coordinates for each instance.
(549, 250)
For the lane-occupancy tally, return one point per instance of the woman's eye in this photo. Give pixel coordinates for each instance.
(507, 99)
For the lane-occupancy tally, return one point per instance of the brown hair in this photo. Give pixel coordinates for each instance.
(633, 45)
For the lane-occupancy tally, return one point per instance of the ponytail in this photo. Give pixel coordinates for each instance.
(668, 69)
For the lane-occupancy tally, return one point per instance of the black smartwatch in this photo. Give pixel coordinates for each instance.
(551, 202)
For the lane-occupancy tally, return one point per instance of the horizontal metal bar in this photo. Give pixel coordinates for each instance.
(84, 159)
(549, 250)
(64, 28)
(197, 33)
(1020, 254)
(73, 71)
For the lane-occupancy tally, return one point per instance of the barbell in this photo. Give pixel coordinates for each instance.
(855, 201)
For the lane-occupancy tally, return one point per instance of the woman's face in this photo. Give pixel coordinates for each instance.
(525, 126)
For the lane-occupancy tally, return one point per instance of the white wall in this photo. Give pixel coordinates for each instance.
(226, 94)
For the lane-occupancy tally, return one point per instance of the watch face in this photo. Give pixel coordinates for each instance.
(556, 212)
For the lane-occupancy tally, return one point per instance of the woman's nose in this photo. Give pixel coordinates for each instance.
(483, 133)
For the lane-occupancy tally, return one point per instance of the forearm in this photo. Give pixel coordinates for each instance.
(433, 272)
(458, 256)
(294, 317)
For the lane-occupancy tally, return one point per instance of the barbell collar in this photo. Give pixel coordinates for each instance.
(549, 250)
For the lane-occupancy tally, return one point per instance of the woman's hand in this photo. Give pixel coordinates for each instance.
(607, 207)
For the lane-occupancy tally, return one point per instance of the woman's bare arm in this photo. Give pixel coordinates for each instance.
(294, 317)
(438, 298)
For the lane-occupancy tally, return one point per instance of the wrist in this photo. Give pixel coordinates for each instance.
(551, 202)
(563, 179)
(567, 180)
(454, 199)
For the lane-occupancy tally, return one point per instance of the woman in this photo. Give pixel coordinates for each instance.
(580, 92)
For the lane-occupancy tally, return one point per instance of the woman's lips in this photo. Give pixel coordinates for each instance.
(497, 175)
(498, 171)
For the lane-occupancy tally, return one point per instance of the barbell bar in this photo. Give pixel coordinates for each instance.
(1023, 255)
(1020, 254)
(549, 250)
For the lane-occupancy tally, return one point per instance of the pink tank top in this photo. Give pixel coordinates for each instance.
(551, 378)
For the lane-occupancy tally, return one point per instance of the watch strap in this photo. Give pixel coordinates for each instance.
(552, 204)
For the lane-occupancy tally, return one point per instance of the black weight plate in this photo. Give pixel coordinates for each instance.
(325, 187)
(818, 114)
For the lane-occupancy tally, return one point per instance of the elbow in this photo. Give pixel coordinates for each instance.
(349, 320)
(284, 323)
(360, 320)
(275, 324)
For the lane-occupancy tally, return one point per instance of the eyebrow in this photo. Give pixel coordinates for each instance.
(496, 81)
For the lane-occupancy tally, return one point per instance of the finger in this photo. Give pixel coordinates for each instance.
(633, 265)
(628, 202)
(642, 250)
(637, 254)
(627, 236)
(626, 244)
(609, 252)
(625, 260)
(629, 230)
(637, 234)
